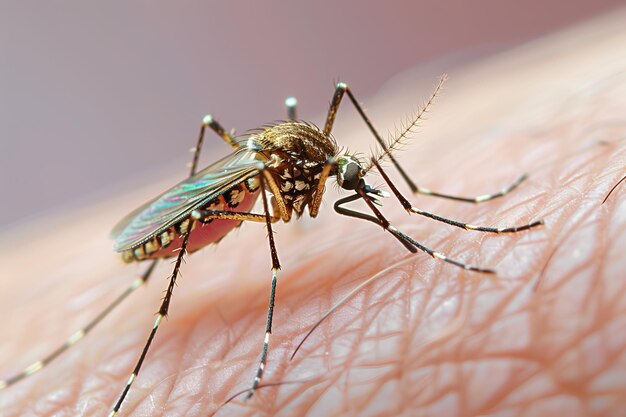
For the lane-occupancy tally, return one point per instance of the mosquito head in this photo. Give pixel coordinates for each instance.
(349, 172)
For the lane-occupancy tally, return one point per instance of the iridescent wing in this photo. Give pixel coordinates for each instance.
(177, 203)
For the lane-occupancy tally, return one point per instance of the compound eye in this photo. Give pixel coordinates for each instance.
(350, 176)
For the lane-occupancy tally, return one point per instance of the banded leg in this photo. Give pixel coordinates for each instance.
(477, 199)
(404, 238)
(204, 216)
(315, 205)
(209, 121)
(279, 203)
(270, 311)
(334, 106)
(217, 128)
(409, 208)
(291, 103)
(78, 335)
(340, 90)
(165, 304)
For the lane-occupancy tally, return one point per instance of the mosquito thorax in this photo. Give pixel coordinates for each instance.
(349, 172)
(295, 153)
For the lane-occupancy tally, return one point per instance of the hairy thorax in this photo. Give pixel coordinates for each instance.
(296, 154)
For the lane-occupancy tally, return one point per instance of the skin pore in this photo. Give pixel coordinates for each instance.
(543, 337)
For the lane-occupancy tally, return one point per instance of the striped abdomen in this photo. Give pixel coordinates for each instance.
(240, 198)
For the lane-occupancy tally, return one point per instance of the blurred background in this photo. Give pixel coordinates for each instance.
(100, 98)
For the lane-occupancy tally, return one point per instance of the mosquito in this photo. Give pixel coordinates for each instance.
(286, 165)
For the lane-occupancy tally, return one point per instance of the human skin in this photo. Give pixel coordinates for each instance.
(546, 336)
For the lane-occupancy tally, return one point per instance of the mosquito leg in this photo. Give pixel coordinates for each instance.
(402, 237)
(270, 311)
(78, 335)
(165, 304)
(414, 245)
(205, 216)
(292, 104)
(314, 206)
(340, 90)
(356, 214)
(209, 121)
(477, 199)
(269, 384)
(280, 206)
(343, 88)
(408, 207)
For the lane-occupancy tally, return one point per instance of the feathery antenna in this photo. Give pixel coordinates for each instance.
(401, 137)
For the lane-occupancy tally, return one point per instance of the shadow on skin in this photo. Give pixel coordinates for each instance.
(544, 336)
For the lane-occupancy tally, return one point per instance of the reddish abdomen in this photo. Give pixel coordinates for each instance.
(169, 242)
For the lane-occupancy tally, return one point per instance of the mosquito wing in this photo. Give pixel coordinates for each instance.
(175, 204)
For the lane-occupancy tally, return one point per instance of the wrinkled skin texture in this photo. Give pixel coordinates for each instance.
(547, 336)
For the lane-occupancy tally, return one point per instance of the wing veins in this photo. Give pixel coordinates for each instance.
(177, 203)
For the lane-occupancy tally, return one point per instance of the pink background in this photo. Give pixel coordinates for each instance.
(94, 97)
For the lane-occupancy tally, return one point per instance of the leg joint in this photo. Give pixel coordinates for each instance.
(207, 120)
